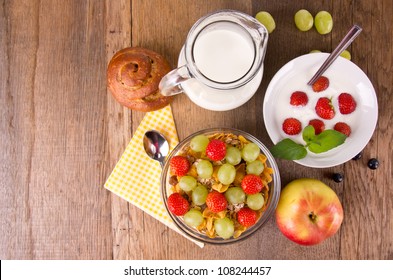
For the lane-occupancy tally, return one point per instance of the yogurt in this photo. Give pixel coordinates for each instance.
(306, 113)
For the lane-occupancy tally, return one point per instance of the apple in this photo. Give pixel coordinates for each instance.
(308, 211)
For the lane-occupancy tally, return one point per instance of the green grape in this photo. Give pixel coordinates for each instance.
(250, 152)
(233, 155)
(193, 218)
(199, 195)
(226, 173)
(323, 22)
(346, 54)
(224, 227)
(255, 167)
(204, 169)
(199, 143)
(267, 20)
(255, 201)
(187, 183)
(235, 195)
(303, 20)
(315, 51)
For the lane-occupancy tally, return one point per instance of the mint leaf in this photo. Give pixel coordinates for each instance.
(325, 141)
(308, 134)
(288, 149)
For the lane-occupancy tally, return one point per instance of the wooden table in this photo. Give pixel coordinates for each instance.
(62, 132)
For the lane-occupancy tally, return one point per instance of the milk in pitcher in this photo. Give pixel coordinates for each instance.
(224, 52)
(220, 66)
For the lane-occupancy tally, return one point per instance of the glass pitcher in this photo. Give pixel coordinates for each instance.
(221, 62)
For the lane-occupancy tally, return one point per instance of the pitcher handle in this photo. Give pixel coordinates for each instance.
(170, 84)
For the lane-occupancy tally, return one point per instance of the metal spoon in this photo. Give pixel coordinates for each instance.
(156, 146)
(345, 42)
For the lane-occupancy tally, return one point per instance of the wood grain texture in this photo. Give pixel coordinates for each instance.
(54, 68)
(61, 131)
(117, 37)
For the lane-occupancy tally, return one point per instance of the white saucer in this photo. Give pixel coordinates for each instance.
(344, 76)
(218, 100)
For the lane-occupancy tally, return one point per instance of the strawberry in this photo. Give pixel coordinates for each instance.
(252, 184)
(179, 165)
(177, 204)
(298, 98)
(318, 125)
(291, 126)
(324, 108)
(343, 128)
(321, 84)
(246, 217)
(216, 150)
(346, 103)
(216, 202)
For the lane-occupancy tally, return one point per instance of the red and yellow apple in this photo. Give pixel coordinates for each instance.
(308, 211)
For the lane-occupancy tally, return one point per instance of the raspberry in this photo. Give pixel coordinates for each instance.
(298, 98)
(179, 165)
(177, 204)
(321, 84)
(252, 184)
(291, 126)
(318, 125)
(216, 150)
(246, 217)
(216, 202)
(343, 128)
(346, 103)
(324, 108)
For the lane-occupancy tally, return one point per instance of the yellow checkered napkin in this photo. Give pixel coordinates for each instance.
(136, 177)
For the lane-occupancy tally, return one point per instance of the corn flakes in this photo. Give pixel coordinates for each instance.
(213, 184)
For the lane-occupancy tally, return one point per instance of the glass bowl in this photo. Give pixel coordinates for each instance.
(270, 204)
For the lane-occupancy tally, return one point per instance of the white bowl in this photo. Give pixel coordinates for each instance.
(344, 76)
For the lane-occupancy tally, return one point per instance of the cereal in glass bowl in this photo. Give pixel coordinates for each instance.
(220, 185)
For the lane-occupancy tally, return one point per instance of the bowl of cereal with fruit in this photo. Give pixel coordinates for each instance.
(220, 185)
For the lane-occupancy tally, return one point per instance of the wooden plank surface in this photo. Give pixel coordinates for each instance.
(53, 131)
(61, 132)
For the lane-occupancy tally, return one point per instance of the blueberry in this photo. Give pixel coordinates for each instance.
(358, 156)
(373, 163)
(338, 177)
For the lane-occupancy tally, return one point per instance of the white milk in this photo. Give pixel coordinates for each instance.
(224, 52)
(219, 100)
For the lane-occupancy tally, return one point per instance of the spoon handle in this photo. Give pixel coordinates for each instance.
(345, 42)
